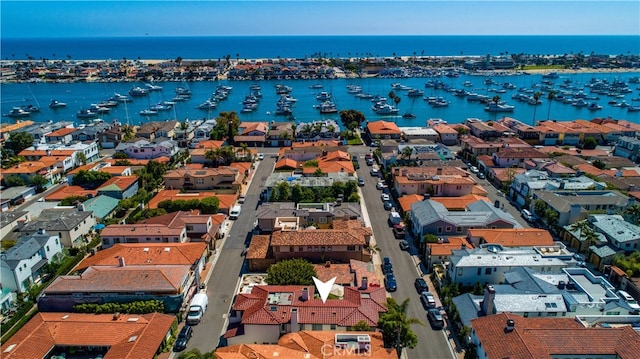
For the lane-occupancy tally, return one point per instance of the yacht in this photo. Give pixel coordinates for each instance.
(415, 93)
(323, 96)
(439, 103)
(160, 107)
(475, 97)
(208, 105)
(152, 87)
(120, 98)
(581, 103)
(495, 107)
(283, 89)
(86, 113)
(384, 109)
(328, 107)
(30, 108)
(148, 113)
(594, 106)
(183, 91)
(138, 91)
(18, 112)
(56, 104)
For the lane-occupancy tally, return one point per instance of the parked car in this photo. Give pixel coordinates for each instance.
(183, 338)
(428, 300)
(385, 197)
(421, 285)
(388, 205)
(481, 175)
(261, 156)
(369, 161)
(404, 245)
(390, 283)
(398, 233)
(374, 172)
(435, 318)
(387, 267)
(380, 185)
(528, 216)
(360, 181)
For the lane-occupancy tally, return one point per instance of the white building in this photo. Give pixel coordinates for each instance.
(21, 264)
(71, 225)
(145, 150)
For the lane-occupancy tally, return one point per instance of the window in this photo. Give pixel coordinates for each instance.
(300, 249)
(316, 326)
(322, 220)
(309, 249)
(487, 271)
(552, 314)
(47, 248)
(459, 229)
(333, 327)
(291, 248)
(479, 271)
(439, 230)
(351, 248)
(448, 229)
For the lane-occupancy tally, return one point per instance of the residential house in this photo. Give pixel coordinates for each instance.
(431, 217)
(267, 312)
(28, 170)
(121, 187)
(517, 157)
(63, 136)
(102, 207)
(421, 152)
(558, 133)
(202, 132)
(330, 162)
(270, 215)
(10, 220)
(440, 251)
(65, 191)
(507, 335)
(382, 130)
(308, 344)
(572, 292)
(100, 167)
(310, 181)
(420, 133)
(226, 200)
(254, 134)
(523, 185)
(448, 135)
(489, 262)
(70, 224)
(307, 153)
(144, 149)
(199, 153)
(574, 205)
(167, 129)
(18, 194)
(510, 237)
(147, 131)
(91, 132)
(280, 134)
(22, 264)
(628, 147)
(199, 227)
(433, 180)
(459, 203)
(7, 128)
(317, 131)
(68, 156)
(486, 130)
(111, 137)
(473, 146)
(221, 178)
(142, 233)
(50, 335)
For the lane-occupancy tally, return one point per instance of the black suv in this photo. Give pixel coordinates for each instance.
(421, 285)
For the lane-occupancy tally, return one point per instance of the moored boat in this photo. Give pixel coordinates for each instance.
(57, 104)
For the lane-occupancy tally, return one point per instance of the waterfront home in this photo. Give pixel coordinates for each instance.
(280, 134)
(489, 263)
(421, 151)
(203, 131)
(557, 133)
(317, 130)
(503, 335)
(448, 135)
(143, 149)
(299, 308)
(221, 178)
(271, 215)
(436, 180)
(423, 133)
(254, 134)
(574, 205)
(112, 137)
(431, 217)
(7, 128)
(91, 132)
(120, 187)
(168, 129)
(48, 335)
(379, 130)
(199, 152)
(486, 130)
(100, 167)
(312, 344)
(21, 265)
(70, 152)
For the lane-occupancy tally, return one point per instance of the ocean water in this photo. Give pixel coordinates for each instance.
(246, 47)
(81, 95)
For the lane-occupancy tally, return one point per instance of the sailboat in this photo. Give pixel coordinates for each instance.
(409, 114)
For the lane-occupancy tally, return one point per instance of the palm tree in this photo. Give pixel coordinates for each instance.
(397, 100)
(184, 126)
(407, 152)
(536, 97)
(213, 155)
(550, 97)
(396, 325)
(584, 231)
(244, 148)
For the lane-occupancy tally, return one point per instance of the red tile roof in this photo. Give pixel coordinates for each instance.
(146, 254)
(383, 128)
(66, 191)
(536, 338)
(286, 163)
(175, 194)
(406, 201)
(513, 237)
(130, 336)
(140, 230)
(61, 132)
(121, 182)
(356, 305)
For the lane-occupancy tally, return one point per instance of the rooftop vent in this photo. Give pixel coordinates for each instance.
(511, 325)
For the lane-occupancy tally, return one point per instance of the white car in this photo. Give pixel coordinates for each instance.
(385, 197)
(380, 185)
(261, 156)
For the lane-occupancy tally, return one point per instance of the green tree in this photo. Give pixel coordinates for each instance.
(351, 118)
(209, 205)
(550, 97)
(407, 152)
(599, 164)
(539, 206)
(396, 326)
(630, 263)
(90, 179)
(38, 181)
(14, 181)
(536, 97)
(120, 156)
(633, 211)
(584, 231)
(18, 141)
(81, 158)
(291, 272)
(71, 200)
(318, 173)
(590, 143)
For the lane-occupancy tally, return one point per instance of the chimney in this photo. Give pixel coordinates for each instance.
(41, 231)
(511, 325)
(121, 262)
(365, 283)
(487, 301)
(305, 294)
(404, 172)
(295, 327)
(396, 171)
(80, 207)
(327, 264)
(439, 171)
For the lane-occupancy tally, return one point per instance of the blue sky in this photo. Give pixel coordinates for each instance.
(301, 17)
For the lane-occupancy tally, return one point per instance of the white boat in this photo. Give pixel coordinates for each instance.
(439, 103)
(316, 86)
(594, 106)
(384, 109)
(208, 105)
(581, 103)
(283, 89)
(551, 75)
(138, 91)
(152, 87)
(160, 107)
(533, 101)
(17, 112)
(475, 97)
(633, 108)
(148, 113)
(415, 93)
(323, 96)
(327, 107)
(354, 89)
(85, 113)
(57, 104)
(120, 98)
(495, 107)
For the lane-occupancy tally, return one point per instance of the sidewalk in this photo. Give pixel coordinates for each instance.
(451, 337)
